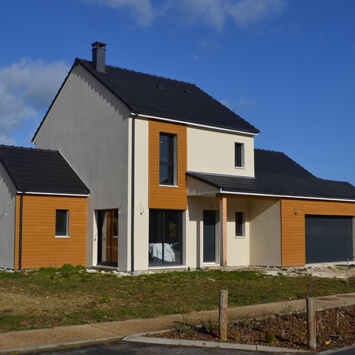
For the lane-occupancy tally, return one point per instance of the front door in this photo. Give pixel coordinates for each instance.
(209, 236)
(108, 237)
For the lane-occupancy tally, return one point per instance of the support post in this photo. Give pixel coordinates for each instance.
(223, 228)
(223, 315)
(311, 324)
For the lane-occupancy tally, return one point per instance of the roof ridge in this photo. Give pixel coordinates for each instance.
(338, 181)
(142, 73)
(271, 151)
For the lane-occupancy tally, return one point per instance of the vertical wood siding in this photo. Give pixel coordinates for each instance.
(40, 248)
(167, 197)
(293, 225)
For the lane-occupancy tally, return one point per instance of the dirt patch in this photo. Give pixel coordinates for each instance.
(335, 329)
(338, 271)
(23, 304)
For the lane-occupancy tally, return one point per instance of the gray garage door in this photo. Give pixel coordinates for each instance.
(328, 238)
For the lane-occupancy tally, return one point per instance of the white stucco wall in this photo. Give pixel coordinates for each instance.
(7, 220)
(89, 126)
(212, 151)
(265, 233)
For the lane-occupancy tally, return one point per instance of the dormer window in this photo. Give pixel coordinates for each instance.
(239, 155)
(167, 159)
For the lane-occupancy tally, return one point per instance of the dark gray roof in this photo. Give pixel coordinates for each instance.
(167, 98)
(277, 174)
(43, 171)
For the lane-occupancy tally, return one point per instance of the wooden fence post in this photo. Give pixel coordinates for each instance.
(223, 314)
(311, 324)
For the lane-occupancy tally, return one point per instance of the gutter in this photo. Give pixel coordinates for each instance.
(285, 196)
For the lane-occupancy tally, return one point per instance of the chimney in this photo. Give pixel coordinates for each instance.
(98, 56)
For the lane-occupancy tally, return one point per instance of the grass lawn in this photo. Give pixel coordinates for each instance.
(68, 296)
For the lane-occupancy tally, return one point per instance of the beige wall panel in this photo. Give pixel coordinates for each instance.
(237, 247)
(40, 248)
(141, 215)
(212, 151)
(195, 187)
(193, 242)
(293, 225)
(167, 197)
(265, 233)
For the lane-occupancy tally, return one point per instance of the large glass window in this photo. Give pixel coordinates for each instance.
(165, 237)
(167, 159)
(61, 222)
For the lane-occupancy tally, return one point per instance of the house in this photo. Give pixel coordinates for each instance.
(175, 181)
(42, 210)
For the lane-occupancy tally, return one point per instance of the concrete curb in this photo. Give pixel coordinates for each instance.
(141, 338)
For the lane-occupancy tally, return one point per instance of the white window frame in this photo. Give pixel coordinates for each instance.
(242, 155)
(66, 235)
(243, 235)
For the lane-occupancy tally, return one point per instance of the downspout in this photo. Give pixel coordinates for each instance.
(20, 234)
(132, 192)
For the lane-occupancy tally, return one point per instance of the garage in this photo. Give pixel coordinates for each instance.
(328, 238)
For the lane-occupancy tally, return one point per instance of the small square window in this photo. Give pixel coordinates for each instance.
(239, 159)
(239, 224)
(61, 222)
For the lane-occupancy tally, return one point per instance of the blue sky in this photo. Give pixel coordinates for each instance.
(285, 66)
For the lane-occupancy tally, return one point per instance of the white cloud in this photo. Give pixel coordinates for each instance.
(142, 10)
(245, 103)
(26, 90)
(242, 105)
(213, 13)
(246, 12)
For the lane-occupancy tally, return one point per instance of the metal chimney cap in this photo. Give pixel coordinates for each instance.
(98, 44)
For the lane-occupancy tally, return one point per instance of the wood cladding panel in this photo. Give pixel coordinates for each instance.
(40, 248)
(167, 197)
(293, 212)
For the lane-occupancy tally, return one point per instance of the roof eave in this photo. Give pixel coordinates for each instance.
(142, 115)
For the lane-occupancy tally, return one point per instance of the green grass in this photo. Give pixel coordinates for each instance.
(97, 297)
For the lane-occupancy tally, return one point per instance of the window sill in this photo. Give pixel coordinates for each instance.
(62, 236)
(240, 167)
(240, 237)
(169, 185)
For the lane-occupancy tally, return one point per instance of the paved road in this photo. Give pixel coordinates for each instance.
(146, 349)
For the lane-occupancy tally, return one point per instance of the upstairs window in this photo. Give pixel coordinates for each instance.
(61, 223)
(239, 155)
(239, 224)
(167, 159)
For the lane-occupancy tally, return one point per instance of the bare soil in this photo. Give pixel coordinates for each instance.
(335, 329)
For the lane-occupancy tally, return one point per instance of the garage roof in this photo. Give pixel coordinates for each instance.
(40, 171)
(278, 175)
